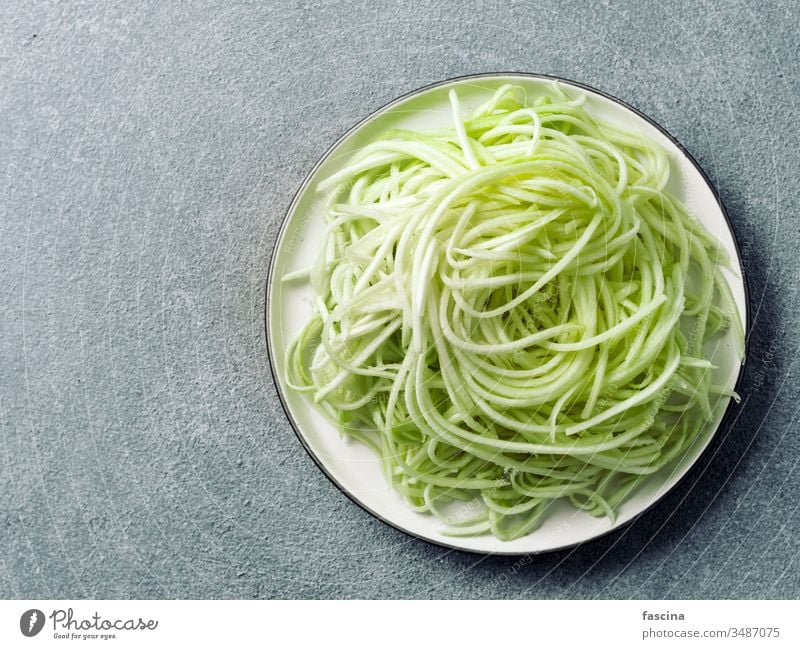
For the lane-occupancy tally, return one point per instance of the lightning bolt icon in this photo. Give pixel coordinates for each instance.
(32, 620)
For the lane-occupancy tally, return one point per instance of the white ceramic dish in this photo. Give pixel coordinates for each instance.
(351, 466)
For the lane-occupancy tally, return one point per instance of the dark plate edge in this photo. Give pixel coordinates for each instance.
(724, 421)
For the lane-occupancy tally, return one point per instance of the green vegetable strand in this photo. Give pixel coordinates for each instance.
(513, 311)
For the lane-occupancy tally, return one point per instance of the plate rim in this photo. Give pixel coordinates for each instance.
(725, 420)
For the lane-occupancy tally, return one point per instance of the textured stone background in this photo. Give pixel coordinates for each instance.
(149, 150)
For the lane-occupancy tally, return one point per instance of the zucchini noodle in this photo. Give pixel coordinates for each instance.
(513, 311)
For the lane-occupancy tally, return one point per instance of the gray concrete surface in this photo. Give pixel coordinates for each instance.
(149, 150)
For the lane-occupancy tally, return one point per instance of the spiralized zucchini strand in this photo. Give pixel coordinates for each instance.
(513, 311)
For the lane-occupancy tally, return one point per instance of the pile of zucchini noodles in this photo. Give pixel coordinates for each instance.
(513, 311)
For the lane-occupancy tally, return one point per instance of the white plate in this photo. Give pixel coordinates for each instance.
(350, 465)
